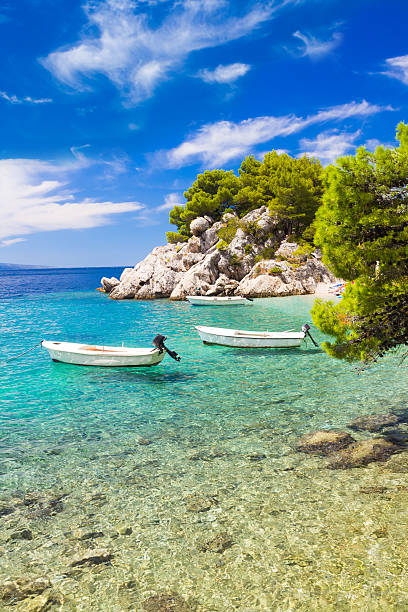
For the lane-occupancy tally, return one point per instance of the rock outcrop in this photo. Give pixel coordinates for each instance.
(230, 257)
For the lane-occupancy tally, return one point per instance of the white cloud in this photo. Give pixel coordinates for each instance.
(6, 243)
(12, 99)
(315, 48)
(35, 197)
(224, 74)
(398, 68)
(217, 143)
(170, 200)
(136, 56)
(329, 145)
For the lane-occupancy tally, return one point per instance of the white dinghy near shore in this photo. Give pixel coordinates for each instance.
(241, 338)
(108, 356)
(213, 300)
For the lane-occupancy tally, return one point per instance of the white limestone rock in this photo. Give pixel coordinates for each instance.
(109, 283)
(199, 225)
(203, 274)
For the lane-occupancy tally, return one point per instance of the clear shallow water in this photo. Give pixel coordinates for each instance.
(128, 447)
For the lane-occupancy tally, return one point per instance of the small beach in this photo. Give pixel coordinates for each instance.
(184, 478)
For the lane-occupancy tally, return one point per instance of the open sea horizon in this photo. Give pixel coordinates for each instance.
(180, 485)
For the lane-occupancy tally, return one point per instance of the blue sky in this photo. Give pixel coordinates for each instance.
(109, 109)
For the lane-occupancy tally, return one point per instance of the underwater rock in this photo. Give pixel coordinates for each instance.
(217, 544)
(92, 557)
(363, 452)
(207, 455)
(41, 603)
(20, 588)
(125, 530)
(85, 534)
(374, 422)
(324, 442)
(398, 464)
(200, 503)
(256, 456)
(144, 442)
(165, 602)
(22, 534)
(6, 510)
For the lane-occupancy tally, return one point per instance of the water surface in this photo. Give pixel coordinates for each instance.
(128, 448)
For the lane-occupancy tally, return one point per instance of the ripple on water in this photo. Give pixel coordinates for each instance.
(217, 511)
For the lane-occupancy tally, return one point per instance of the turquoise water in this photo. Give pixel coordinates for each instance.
(130, 446)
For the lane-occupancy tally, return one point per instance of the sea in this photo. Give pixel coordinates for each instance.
(179, 487)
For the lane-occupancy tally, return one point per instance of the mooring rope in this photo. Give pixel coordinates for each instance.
(23, 353)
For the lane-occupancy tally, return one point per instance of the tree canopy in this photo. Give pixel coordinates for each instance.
(362, 229)
(291, 188)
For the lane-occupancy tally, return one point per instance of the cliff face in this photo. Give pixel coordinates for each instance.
(234, 256)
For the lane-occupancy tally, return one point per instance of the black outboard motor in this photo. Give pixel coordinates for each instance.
(158, 342)
(305, 329)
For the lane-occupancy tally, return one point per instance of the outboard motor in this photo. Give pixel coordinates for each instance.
(305, 330)
(158, 342)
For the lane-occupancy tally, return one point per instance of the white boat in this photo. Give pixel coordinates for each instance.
(108, 356)
(213, 300)
(250, 339)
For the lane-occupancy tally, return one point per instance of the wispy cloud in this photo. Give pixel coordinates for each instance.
(36, 197)
(215, 144)
(329, 145)
(135, 55)
(224, 74)
(170, 200)
(12, 99)
(6, 243)
(316, 48)
(397, 68)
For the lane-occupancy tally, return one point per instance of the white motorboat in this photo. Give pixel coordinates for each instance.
(213, 300)
(108, 356)
(252, 339)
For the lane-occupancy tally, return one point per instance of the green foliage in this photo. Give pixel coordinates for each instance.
(275, 271)
(290, 187)
(235, 260)
(303, 251)
(210, 194)
(228, 231)
(222, 245)
(362, 229)
(174, 237)
(266, 253)
(248, 249)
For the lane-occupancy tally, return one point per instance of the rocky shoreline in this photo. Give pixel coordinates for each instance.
(251, 256)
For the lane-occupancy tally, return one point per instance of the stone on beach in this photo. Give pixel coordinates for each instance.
(324, 442)
(363, 452)
(374, 422)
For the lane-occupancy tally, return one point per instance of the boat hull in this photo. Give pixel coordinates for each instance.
(206, 300)
(102, 356)
(247, 339)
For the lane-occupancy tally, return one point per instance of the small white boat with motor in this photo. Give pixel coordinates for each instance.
(214, 300)
(108, 356)
(252, 339)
